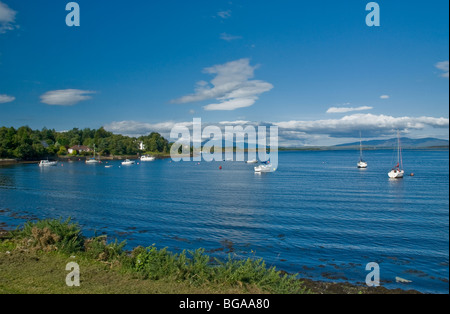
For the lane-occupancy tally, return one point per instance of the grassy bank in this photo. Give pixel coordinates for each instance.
(33, 259)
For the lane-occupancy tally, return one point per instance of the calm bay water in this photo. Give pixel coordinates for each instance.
(318, 215)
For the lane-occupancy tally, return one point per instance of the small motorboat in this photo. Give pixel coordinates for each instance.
(47, 163)
(147, 158)
(253, 161)
(128, 162)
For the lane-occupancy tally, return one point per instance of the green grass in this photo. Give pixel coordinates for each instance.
(44, 273)
(33, 260)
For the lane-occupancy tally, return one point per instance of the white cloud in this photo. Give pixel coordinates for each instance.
(237, 122)
(372, 125)
(5, 99)
(298, 132)
(444, 67)
(231, 104)
(7, 18)
(385, 96)
(134, 128)
(232, 87)
(224, 14)
(347, 109)
(229, 37)
(65, 97)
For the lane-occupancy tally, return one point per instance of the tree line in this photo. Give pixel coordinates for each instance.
(25, 143)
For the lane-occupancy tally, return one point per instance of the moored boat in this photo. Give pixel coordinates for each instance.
(397, 172)
(47, 163)
(128, 162)
(93, 160)
(147, 158)
(265, 168)
(361, 163)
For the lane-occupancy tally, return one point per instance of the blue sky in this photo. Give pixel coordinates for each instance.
(314, 68)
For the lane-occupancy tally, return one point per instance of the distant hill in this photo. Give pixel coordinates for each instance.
(406, 143)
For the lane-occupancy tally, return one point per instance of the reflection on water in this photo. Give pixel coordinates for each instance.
(395, 185)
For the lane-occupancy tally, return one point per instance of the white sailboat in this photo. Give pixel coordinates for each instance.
(397, 172)
(93, 160)
(361, 163)
(265, 168)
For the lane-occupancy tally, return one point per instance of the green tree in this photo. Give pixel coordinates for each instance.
(62, 151)
(27, 143)
(38, 150)
(24, 150)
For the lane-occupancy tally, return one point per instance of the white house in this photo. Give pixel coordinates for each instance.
(78, 149)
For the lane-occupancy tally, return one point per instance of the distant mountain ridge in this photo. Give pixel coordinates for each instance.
(406, 143)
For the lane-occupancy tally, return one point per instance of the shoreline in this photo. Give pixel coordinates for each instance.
(312, 286)
(160, 156)
(8, 162)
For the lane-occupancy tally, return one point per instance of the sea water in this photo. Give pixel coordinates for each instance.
(318, 215)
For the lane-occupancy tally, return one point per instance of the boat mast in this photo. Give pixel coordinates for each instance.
(360, 146)
(399, 152)
(400, 158)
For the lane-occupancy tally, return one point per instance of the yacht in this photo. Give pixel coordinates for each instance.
(147, 158)
(47, 163)
(361, 163)
(128, 162)
(397, 172)
(264, 168)
(93, 160)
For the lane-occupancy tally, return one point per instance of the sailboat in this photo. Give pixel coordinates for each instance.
(361, 163)
(265, 168)
(93, 160)
(397, 172)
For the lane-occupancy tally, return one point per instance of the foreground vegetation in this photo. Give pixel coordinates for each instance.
(33, 259)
